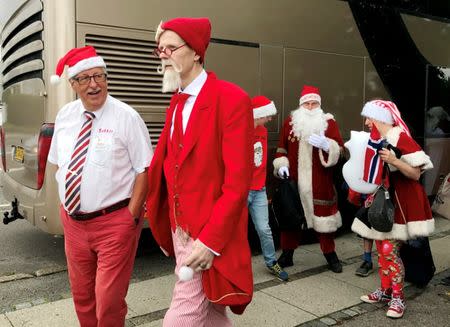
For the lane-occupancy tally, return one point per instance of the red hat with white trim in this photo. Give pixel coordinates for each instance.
(385, 112)
(309, 93)
(263, 107)
(196, 32)
(78, 60)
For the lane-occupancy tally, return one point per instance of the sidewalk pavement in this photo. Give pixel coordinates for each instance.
(314, 296)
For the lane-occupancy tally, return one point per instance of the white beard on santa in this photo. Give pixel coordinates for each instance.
(306, 122)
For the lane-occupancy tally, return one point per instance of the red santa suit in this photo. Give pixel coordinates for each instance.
(312, 167)
(204, 192)
(413, 217)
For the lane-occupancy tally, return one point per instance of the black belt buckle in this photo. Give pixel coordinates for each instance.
(98, 213)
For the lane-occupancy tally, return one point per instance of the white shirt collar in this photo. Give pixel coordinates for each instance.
(196, 85)
(99, 112)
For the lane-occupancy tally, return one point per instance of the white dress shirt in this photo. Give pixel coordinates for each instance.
(119, 149)
(193, 89)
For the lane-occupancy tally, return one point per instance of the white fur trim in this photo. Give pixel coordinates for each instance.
(418, 159)
(393, 135)
(334, 153)
(328, 224)
(328, 116)
(305, 180)
(309, 97)
(55, 79)
(85, 64)
(373, 111)
(278, 163)
(159, 31)
(421, 228)
(415, 159)
(412, 230)
(398, 232)
(265, 111)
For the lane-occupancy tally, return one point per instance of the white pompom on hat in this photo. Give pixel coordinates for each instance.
(78, 60)
(263, 107)
(385, 112)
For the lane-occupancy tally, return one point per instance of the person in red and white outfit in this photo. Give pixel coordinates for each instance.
(199, 181)
(413, 217)
(102, 149)
(263, 110)
(309, 147)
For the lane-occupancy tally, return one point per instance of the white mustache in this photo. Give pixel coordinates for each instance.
(164, 63)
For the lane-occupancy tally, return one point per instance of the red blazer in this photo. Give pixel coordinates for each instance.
(214, 176)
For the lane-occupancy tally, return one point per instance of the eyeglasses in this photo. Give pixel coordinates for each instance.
(83, 80)
(167, 51)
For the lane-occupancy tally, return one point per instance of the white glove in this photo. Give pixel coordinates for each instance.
(319, 141)
(283, 172)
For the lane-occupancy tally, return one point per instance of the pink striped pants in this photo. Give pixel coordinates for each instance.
(189, 306)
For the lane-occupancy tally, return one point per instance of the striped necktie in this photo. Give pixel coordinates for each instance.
(75, 169)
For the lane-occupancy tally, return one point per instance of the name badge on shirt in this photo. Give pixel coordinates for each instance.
(101, 148)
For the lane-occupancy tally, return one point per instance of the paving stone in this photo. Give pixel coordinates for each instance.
(4, 322)
(359, 309)
(368, 307)
(23, 305)
(328, 321)
(38, 301)
(339, 316)
(313, 323)
(10, 278)
(350, 312)
(49, 270)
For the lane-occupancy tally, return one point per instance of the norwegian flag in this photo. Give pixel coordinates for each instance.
(373, 165)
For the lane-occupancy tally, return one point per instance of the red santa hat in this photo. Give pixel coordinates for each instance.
(78, 60)
(196, 32)
(309, 93)
(386, 112)
(263, 107)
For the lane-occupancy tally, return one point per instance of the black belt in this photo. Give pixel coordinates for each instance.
(102, 212)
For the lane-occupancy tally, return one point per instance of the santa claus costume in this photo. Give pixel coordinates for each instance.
(310, 146)
(413, 217)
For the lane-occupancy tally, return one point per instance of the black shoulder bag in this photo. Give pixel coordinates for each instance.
(381, 211)
(287, 206)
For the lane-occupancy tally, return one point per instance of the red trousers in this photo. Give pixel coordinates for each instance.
(100, 256)
(291, 240)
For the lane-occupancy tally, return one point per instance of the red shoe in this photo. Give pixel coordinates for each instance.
(378, 295)
(396, 308)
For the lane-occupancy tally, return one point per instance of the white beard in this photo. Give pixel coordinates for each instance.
(171, 77)
(307, 122)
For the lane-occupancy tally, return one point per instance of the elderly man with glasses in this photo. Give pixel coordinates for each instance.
(102, 149)
(199, 180)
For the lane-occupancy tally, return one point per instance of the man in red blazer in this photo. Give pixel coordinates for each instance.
(199, 180)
